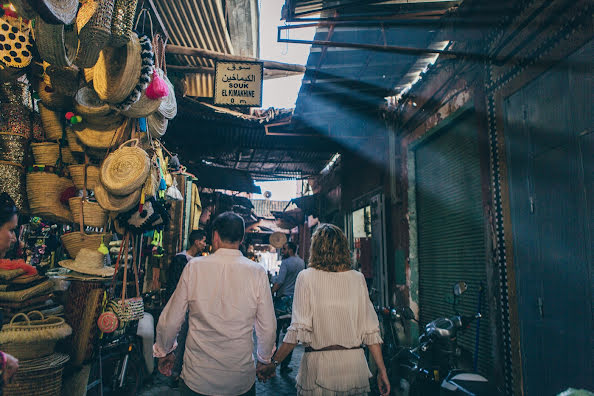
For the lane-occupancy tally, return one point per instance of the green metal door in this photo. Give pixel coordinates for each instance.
(451, 228)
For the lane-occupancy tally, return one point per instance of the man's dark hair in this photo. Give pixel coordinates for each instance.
(196, 235)
(292, 246)
(230, 227)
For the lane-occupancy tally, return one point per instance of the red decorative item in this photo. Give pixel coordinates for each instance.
(69, 115)
(70, 192)
(7, 264)
(108, 322)
(157, 89)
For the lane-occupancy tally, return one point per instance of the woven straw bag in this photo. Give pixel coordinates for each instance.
(126, 169)
(77, 173)
(74, 241)
(55, 45)
(93, 214)
(38, 377)
(46, 153)
(122, 22)
(94, 30)
(25, 294)
(67, 157)
(15, 118)
(52, 123)
(33, 339)
(53, 99)
(73, 142)
(43, 191)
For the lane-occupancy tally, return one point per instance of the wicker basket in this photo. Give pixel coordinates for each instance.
(32, 339)
(25, 294)
(13, 147)
(122, 21)
(43, 191)
(93, 214)
(94, 26)
(73, 142)
(67, 156)
(39, 377)
(77, 173)
(46, 153)
(74, 241)
(52, 124)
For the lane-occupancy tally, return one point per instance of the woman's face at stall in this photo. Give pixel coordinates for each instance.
(7, 235)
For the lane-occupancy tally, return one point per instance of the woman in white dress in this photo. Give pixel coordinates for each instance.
(333, 317)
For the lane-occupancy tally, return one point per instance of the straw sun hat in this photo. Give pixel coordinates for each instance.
(117, 71)
(168, 107)
(114, 203)
(55, 45)
(101, 137)
(90, 262)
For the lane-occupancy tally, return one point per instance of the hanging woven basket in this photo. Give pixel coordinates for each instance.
(74, 241)
(93, 22)
(46, 153)
(93, 214)
(38, 377)
(13, 147)
(126, 169)
(43, 191)
(32, 338)
(52, 123)
(77, 173)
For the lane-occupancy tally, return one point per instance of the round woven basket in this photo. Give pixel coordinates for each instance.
(12, 181)
(43, 191)
(55, 45)
(117, 71)
(87, 103)
(168, 107)
(67, 157)
(94, 30)
(157, 125)
(13, 147)
(38, 377)
(46, 153)
(126, 169)
(114, 203)
(74, 241)
(143, 107)
(15, 118)
(77, 173)
(32, 338)
(93, 214)
(73, 141)
(52, 123)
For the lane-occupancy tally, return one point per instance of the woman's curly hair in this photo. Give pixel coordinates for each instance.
(329, 249)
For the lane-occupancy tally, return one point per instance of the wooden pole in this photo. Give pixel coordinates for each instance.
(179, 50)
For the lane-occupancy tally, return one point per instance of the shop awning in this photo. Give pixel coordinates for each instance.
(223, 178)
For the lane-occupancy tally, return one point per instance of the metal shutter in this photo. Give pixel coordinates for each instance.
(451, 229)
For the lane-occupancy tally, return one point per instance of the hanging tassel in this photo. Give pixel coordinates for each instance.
(102, 248)
(142, 124)
(141, 205)
(157, 89)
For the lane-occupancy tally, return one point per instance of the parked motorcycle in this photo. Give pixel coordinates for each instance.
(433, 368)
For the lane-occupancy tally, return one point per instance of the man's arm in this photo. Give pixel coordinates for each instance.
(265, 321)
(172, 318)
(280, 279)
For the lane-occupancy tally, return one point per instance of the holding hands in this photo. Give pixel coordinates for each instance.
(265, 371)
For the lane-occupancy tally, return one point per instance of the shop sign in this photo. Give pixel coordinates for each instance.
(238, 83)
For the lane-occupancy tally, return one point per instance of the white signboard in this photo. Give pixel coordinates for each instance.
(238, 83)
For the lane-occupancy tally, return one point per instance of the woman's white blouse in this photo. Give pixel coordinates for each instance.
(333, 308)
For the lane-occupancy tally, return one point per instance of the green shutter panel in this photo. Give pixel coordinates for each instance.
(451, 229)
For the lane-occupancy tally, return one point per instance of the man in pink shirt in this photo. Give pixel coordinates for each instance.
(226, 296)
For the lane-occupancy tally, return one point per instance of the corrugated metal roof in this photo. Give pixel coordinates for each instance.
(265, 207)
(196, 24)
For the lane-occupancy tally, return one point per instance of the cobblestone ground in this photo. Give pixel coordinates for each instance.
(281, 385)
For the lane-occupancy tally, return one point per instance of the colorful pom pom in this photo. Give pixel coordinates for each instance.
(69, 115)
(157, 88)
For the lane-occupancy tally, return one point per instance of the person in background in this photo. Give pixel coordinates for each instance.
(284, 287)
(332, 317)
(226, 295)
(8, 223)
(196, 243)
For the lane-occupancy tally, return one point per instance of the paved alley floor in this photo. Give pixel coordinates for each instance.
(281, 385)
